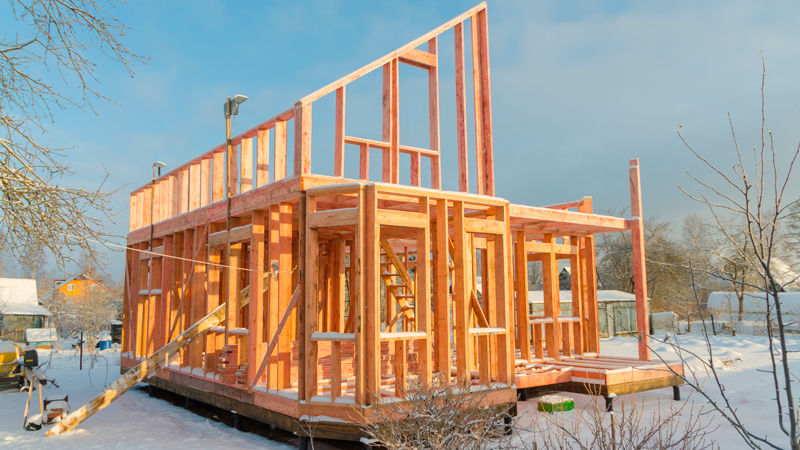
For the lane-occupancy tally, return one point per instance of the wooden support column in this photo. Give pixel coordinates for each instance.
(336, 300)
(477, 98)
(218, 178)
(233, 171)
(357, 297)
(486, 102)
(461, 288)
(372, 285)
(639, 266)
(174, 187)
(194, 186)
(505, 341)
(233, 305)
(205, 182)
(175, 313)
(338, 160)
(285, 289)
(199, 300)
(146, 212)
(262, 158)
(423, 292)
(552, 305)
(246, 168)
(132, 217)
(309, 260)
(183, 190)
(302, 138)
(391, 155)
(280, 150)
(441, 296)
(274, 311)
(141, 309)
(157, 202)
(433, 115)
(213, 301)
(154, 306)
(521, 285)
(126, 302)
(461, 110)
(576, 275)
(186, 280)
(256, 312)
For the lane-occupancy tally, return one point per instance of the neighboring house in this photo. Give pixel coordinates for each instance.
(19, 308)
(77, 286)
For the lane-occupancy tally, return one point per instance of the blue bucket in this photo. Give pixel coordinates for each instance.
(105, 345)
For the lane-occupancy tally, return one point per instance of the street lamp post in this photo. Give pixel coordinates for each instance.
(231, 108)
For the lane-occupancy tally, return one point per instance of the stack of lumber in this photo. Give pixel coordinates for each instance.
(241, 375)
(228, 364)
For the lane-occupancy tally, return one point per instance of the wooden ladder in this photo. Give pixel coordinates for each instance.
(405, 291)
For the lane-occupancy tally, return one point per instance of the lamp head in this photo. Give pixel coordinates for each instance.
(233, 104)
(159, 164)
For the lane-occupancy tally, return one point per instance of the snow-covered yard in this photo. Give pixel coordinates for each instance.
(138, 421)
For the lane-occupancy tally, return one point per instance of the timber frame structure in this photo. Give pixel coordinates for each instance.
(346, 291)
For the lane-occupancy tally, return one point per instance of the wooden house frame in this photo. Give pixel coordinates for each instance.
(329, 307)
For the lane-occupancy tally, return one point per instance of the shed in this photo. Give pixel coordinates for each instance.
(43, 338)
(19, 308)
(619, 305)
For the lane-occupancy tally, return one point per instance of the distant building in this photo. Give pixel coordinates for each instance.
(617, 310)
(77, 286)
(19, 308)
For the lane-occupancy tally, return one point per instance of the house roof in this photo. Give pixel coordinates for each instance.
(603, 296)
(18, 298)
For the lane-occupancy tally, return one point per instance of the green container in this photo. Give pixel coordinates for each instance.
(555, 403)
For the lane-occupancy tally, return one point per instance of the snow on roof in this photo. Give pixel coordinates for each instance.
(784, 275)
(754, 303)
(18, 298)
(40, 334)
(603, 296)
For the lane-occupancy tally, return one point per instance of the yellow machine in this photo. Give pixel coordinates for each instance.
(9, 357)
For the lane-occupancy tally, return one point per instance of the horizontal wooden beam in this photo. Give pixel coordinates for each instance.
(332, 218)
(401, 218)
(238, 234)
(544, 247)
(484, 226)
(419, 58)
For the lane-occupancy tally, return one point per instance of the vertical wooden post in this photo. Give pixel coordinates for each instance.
(146, 212)
(521, 266)
(153, 301)
(576, 274)
(363, 162)
(213, 299)
(310, 282)
(285, 288)
(423, 291)
(441, 312)
(199, 300)
(194, 186)
(639, 267)
(302, 138)
(486, 103)
(233, 170)
(127, 300)
(357, 297)
(233, 287)
(461, 287)
(274, 311)
(552, 306)
(132, 217)
(256, 312)
(477, 96)
(281, 147)
(246, 169)
(388, 122)
(165, 279)
(186, 309)
(141, 309)
(157, 202)
(205, 181)
(461, 110)
(262, 158)
(505, 341)
(177, 286)
(173, 194)
(218, 179)
(372, 311)
(433, 115)
(183, 190)
(338, 160)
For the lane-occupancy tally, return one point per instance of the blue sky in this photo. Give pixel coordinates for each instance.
(578, 89)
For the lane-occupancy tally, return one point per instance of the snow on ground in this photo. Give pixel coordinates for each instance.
(134, 421)
(738, 361)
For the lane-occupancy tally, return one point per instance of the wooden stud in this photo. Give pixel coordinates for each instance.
(639, 266)
(285, 288)
(486, 103)
(183, 190)
(194, 186)
(218, 179)
(461, 111)
(213, 296)
(372, 310)
(577, 296)
(205, 182)
(256, 312)
(199, 300)
(461, 288)
(281, 149)
(442, 302)
(246, 169)
(388, 158)
(363, 162)
(186, 281)
(521, 269)
(262, 158)
(552, 305)
(302, 139)
(477, 91)
(433, 115)
(233, 170)
(423, 295)
(338, 160)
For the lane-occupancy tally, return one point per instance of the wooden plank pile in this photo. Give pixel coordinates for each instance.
(228, 364)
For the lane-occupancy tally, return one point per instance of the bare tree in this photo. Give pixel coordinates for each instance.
(755, 194)
(54, 37)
